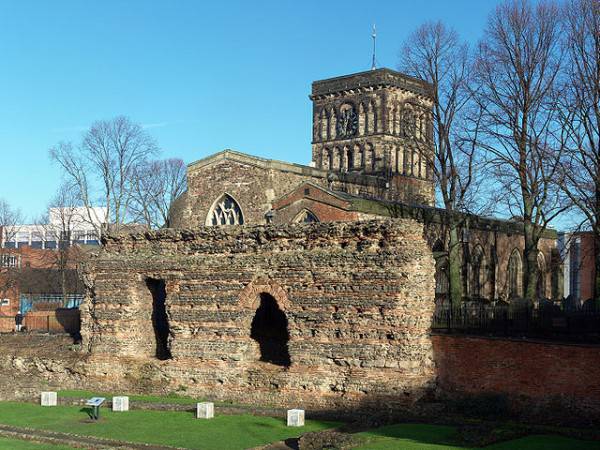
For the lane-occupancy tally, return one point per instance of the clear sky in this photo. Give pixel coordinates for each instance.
(201, 76)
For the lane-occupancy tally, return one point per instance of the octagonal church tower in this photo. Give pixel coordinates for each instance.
(376, 123)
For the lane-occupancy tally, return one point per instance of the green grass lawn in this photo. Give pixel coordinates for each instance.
(14, 444)
(435, 437)
(176, 428)
(173, 398)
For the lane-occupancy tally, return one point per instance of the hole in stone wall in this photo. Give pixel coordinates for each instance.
(269, 329)
(160, 321)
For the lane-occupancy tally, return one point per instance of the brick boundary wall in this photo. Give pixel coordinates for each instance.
(540, 381)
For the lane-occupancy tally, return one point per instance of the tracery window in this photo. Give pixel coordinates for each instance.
(225, 211)
(306, 216)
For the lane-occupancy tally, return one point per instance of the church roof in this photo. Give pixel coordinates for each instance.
(387, 208)
(282, 166)
(244, 158)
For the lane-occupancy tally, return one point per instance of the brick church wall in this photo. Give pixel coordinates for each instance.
(358, 298)
(543, 381)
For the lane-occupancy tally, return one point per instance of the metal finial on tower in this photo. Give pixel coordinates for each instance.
(374, 36)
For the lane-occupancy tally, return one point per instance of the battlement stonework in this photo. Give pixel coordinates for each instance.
(325, 314)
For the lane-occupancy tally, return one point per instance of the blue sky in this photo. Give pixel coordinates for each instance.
(201, 76)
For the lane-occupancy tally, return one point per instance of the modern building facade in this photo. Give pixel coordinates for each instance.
(67, 225)
(577, 252)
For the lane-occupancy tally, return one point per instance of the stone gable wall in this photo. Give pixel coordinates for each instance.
(255, 188)
(358, 298)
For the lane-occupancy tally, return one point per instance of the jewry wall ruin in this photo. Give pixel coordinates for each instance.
(326, 314)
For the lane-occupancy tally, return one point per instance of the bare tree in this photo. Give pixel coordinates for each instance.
(10, 219)
(104, 164)
(516, 71)
(579, 99)
(436, 54)
(156, 186)
(65, 217)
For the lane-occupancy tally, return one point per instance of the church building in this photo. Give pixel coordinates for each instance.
(372, 150)
(283, 281)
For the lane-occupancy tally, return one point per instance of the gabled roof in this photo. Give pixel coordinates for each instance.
(244, 158)
(282, 166)
(338, 199)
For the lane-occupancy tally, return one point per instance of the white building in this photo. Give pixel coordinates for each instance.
(76, 225)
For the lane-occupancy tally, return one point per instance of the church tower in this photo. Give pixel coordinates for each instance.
(376, 123)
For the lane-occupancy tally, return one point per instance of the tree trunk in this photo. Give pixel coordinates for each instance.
(63, 276)
(597, 270)
(530, 269)
(454, 265)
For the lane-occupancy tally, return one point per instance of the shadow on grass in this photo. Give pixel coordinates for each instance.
(426, 434)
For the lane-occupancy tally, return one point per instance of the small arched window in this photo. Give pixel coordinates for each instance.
(225, 211)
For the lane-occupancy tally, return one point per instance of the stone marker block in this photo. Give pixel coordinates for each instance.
(295, 418)
(49, 399)
(205, 410)
(120, 403)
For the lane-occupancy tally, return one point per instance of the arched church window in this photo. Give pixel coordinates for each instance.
(541, 280)
(305, 216)
(514, 274)
(441, 277)
(225, 211)
(477, 272)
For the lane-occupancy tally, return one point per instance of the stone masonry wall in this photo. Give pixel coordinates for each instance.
(358, 298)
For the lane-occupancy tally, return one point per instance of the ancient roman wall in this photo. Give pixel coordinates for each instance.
(357, 298)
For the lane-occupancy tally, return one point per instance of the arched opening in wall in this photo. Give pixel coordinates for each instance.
(349, 158)
(270, 329)
(160, 320)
